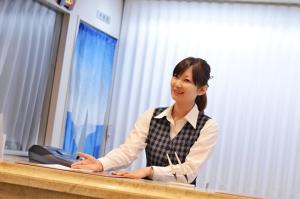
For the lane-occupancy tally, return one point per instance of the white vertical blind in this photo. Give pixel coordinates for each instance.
(26, 40)
(253, 50)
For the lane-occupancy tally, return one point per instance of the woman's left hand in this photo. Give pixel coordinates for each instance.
(135, 174)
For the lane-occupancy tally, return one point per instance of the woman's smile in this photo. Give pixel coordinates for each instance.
(177, 91)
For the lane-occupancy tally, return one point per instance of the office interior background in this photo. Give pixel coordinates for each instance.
(80, 78)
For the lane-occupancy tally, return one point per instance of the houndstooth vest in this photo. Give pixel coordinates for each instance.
(159, 142)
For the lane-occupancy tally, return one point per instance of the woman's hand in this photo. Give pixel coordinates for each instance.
(89, 163)
(135, 174)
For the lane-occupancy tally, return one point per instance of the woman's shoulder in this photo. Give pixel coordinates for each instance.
(152, 110)
(211, 124)
(146, 115)
(208, 119)
(149, 111)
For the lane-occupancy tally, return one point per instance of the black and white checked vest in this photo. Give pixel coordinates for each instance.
(159, 142)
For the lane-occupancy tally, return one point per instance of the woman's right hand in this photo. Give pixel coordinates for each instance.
(88, 162)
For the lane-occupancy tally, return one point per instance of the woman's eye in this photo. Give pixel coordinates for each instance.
(187, 80)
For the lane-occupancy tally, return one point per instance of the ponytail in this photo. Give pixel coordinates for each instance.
(201, 102)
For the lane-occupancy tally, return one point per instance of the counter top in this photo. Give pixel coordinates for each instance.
(28, 181)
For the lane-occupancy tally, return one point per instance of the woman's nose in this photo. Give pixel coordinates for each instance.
(178, 83)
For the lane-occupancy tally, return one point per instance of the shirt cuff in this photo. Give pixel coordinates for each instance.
(160, 173)
(105, 163)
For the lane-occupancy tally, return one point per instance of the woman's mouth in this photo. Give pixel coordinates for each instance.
(177, 92)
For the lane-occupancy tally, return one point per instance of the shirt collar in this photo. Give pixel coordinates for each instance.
(191, 116)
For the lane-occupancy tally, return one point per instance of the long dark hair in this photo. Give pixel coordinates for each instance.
(201, 75)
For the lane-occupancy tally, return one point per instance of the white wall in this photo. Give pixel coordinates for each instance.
(85, 10)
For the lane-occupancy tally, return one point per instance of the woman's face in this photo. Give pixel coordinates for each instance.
(183, 89)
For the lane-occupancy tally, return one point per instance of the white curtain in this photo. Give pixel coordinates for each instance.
(26, 42)
(253, 50)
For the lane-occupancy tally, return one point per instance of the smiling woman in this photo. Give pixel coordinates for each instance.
(180, 133)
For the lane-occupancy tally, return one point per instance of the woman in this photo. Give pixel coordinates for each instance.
(181, 129)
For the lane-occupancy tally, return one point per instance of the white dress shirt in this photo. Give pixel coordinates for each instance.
(135, 143)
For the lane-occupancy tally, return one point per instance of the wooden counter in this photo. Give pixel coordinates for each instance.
(33, 182)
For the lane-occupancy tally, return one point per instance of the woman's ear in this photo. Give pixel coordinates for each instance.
(202, 90)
